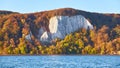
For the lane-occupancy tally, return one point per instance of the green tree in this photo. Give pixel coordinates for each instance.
(22, 46)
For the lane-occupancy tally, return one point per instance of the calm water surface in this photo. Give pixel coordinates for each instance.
(56, 61)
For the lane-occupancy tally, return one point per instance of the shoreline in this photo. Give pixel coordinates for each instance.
(59, 55)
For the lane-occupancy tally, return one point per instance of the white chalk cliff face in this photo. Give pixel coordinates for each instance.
(60, 26)
(28, 37)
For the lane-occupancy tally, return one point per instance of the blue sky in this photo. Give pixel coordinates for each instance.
(28, 6)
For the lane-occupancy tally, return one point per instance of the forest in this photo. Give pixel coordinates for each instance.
(104, 39)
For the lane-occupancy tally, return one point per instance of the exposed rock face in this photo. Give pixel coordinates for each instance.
(28, 37)
(60, 26)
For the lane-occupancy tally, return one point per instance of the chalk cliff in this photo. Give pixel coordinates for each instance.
(60, 26)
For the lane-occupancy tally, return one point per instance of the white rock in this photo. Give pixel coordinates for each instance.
(60, 26)
(44, 36)
(28, 37)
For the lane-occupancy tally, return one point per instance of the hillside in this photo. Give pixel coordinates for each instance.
(59, 31)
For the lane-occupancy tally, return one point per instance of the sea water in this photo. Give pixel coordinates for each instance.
(60, 61)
